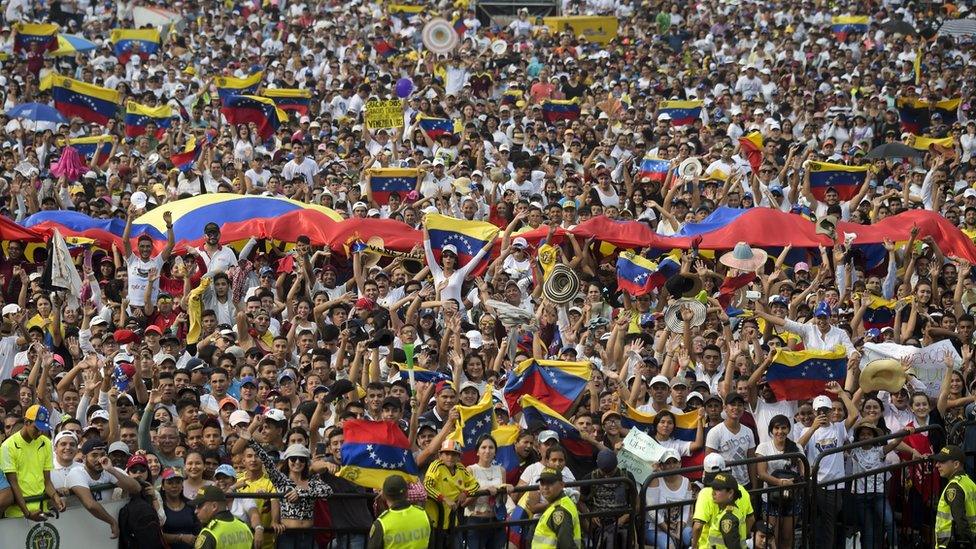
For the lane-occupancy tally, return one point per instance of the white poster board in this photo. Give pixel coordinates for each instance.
(639, 454)
(928, 363)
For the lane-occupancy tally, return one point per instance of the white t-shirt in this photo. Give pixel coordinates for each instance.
(139, 278)
(766, 411)
(79, 477)
(59, 475)
(823, 439)
(530, 476)
(732, 447)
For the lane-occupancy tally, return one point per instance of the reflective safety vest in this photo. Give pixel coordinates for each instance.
(545, 537)
(721, 523)
(407, 528)
(966, 489)
(230, 534)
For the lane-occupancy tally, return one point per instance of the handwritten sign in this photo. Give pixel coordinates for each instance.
(927, 364)
(639, 454)
(384, 114)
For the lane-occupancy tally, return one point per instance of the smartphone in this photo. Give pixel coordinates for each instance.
(753, 295)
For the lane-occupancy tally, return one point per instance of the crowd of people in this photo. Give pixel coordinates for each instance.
(186, 371)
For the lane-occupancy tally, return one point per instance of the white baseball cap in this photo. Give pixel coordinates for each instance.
(239, 417)
(449, 248)
(822, 402)
(548, 435)
(714, 463)
(659, 379)
(10, 309)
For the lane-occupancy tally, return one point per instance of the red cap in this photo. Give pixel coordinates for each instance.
(153, 328)
(364, 303)
(137, 459)
(123, 336)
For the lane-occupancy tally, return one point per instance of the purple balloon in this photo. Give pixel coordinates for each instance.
(404, 87)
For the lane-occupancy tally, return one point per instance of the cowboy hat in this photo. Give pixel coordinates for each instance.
(744, 258)
(683, 285)
(884, 374)
(672, 316)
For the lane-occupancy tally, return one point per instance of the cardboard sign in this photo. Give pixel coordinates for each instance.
(639, 454)
(384, 114)
(928, 363)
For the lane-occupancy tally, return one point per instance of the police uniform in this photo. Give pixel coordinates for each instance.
(401, 527)
(725, 526)
(559, 525)
(224, 531)
(955, 517)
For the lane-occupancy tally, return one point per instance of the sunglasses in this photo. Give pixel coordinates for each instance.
(297, 458)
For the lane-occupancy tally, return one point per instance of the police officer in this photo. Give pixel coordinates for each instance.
(559, 525)
(727, 524)
(955, 517)
(402, 526)
(222, 530)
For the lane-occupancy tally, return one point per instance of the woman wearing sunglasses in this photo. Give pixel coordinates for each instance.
(292, 477)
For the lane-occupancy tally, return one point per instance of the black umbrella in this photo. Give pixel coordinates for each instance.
(894, 150)
(899, 27)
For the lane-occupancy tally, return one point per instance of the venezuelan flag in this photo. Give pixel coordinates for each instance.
(142, 42)
(405, 8)
(138, 116)
(682, 113)
(798, 375)
(87, 101)
(656, 170)
(290, 99)
(751, 145)
(245, 109)
(880, 313)
(842, 25)
(557, 383)
(949, 109)
(506, 436)
(685, 428)
(554, 110)
(89, 147)
(474, 422)
(374, 450)
(467, 236)
(424, 376)
(639, 275)
(385, 181)
(436, 127)
(846, 180)
(516, 532)
(186, 160)
(459, 27)
(511, 97)
(535, 411)
(914, 114)
(924, 142)
(229, 86)
(43, 35)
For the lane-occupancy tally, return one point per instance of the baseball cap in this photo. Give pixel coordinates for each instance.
(286, 374)
(99, 414)
(10, 309)
(275, 414)
(659, 379)
(65, 434)
(40, 416)
(823, 309)
(239, 417)
(93, 444)
(778, 300)
(449, 248)
(548, 435)
(136, 460)
(714, 463)
(949, 453)
(723, 481)
(226, 470)
(549, 475)
(119, 446)
(801, 267)
(822, 402)
(394, 486)
(451, 446)
(519, 242)
(208, 493)
(171, 472)
(228, 400)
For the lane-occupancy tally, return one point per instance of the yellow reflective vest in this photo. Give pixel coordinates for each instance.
(230, 534)
(407, 528)
(962, 487)
(545, 537)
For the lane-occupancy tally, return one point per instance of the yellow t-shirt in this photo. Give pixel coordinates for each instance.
(29, 461)
(262, 484)
(443, 485)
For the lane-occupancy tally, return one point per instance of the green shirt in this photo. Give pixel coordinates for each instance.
(29, 461)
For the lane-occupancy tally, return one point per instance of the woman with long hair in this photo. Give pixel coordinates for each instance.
(491, 477)
(779, 510)
(193, 481)
(953, 400)
(664, 426)
(292, 476)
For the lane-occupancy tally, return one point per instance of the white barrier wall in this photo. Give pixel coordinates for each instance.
(76, 528)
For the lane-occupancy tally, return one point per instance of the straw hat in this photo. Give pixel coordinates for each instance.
(683, 285)
(744, 258)
(672, 316)
(885, 374)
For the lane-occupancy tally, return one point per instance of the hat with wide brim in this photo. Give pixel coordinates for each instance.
(672, 316)
(744, 258)
(683, 285)
(886, 374)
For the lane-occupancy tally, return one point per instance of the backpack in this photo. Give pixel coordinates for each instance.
(139, 526)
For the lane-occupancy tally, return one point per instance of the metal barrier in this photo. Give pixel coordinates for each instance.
(889, 506)
(669, 524)
(517, 532)
(342, 536)
(957, 435)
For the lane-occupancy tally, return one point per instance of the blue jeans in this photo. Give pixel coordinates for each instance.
(295, 540)
(660, 539)
(349, 541)
(875, 519)
(483, 538)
